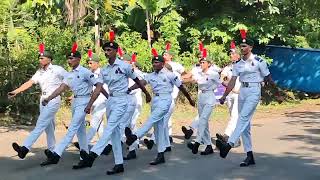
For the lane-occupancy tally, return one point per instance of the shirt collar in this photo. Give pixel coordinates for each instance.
(77, 69)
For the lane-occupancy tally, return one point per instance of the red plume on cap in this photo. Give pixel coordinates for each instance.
(90, 54)
(168, 47)
(74, 47)
(111, 36)
(154, 52)
(133, 58)
(41, 49)
(204, 53)
(120, 52)
(232, 45)
(200, 46)
(243, 34)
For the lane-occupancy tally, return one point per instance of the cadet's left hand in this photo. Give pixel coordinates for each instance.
(148, 98)
(192, 103)
(88, 109)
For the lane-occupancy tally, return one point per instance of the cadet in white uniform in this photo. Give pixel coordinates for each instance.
(178, 70)
(99, 105)
(49, 77)
(195, 123)
(115, 75)
(252, 71)
(162, 82)
(232, 98)
(80, 81)
(208, 81)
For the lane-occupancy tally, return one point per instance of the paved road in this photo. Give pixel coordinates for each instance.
(287, 147)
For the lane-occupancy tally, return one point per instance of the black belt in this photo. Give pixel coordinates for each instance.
(83, 95)
(248, 84)
(158, 94)
(205, 91)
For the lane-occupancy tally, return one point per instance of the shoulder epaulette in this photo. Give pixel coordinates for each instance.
(258, 58)
(236, 61)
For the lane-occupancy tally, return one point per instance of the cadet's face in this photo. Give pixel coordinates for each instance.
(110, 52)
(167, 57)
(204, 65)
(93, 65)
(157, 65)
(44, 61)
(245, 49)
(73, 62)
(234, 56)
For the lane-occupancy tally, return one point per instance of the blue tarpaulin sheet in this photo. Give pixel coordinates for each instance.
(295, 68)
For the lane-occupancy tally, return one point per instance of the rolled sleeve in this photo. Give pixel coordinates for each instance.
(264, 68)
(35, 78)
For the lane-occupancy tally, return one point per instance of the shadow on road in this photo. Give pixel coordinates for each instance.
(180, 164)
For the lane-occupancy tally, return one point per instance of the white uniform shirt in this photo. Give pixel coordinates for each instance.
(197, 68)
(140, 76)
(177, 69)
(116, 76)
(101, 98)
(207, 81)
(49, 79)
(227, 72)
(81, 81)
(163, 81)
(254, 69)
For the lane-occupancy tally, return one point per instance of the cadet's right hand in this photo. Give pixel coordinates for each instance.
(148, 98)
(45, 102)
(88, 109)
(11, 94)
(192, 103)
(222, 100)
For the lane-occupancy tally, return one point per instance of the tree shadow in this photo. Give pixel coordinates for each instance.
(180, 164)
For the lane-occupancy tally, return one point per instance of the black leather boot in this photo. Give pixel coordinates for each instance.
(148, 143)
(88, 158)
(131, 155)
(223, 147)
(208, 150)
(118, 168)
(52, 158)
(159, 159)
(21, 150)
(106, 151)
(248, 161)
(187, 133)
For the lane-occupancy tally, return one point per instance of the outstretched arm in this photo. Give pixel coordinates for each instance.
(20, 89)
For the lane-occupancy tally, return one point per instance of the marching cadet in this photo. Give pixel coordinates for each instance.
(162, 82)
(252, 71)
(207, 81)
(80, 80)
(133, 97)
(115, 75)
(194, 72)
(99, 105)
(232, 98)
(49, 77)
(178, 70)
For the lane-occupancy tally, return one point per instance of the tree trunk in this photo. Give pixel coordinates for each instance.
(75, 16)
(96, 35)
(148, 29)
